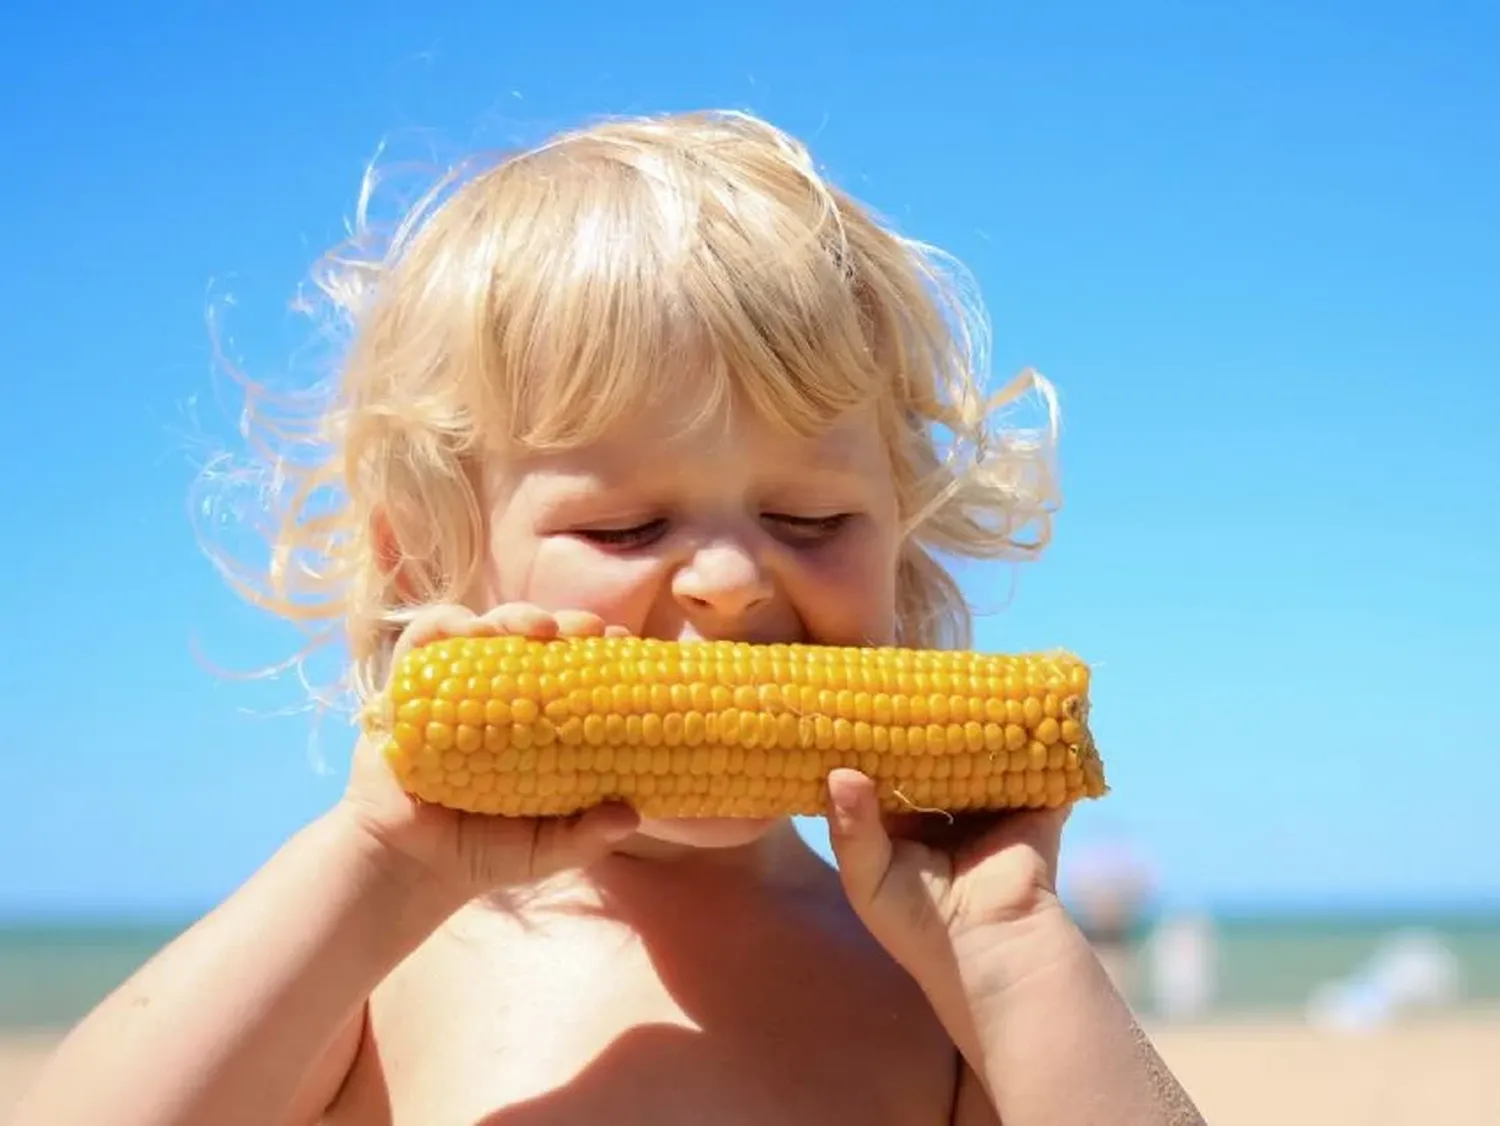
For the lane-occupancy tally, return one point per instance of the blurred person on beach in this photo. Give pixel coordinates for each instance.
(655, 377)
(1110, 885)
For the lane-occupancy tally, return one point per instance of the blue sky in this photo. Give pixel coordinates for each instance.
(1256, 250)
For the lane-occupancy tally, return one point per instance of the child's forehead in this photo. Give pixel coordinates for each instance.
(665, 443)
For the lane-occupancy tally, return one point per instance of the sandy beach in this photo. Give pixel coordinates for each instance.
(1421, 1072)
(1440, 1069)
(20, 1056)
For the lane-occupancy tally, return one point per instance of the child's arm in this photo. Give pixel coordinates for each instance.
(253, 1017)
(254, 1014)
(976, 921)
(1051, 1037)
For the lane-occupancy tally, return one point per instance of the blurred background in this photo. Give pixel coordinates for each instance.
(1254, 246)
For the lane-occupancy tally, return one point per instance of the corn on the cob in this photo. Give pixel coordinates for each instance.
(731, 729)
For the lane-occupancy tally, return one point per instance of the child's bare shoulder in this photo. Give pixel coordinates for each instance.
(709, 1005)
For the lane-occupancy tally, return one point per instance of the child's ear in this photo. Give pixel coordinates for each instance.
(388, 555)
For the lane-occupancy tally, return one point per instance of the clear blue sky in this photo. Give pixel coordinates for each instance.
(1256, 249)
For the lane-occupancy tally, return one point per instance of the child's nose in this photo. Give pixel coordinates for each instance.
(722, 579)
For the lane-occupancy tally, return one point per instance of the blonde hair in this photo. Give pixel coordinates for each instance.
(536, 298)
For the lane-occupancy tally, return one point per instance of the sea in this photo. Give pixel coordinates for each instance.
(1266, 963)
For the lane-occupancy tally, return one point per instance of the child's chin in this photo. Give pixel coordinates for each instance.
(707, 832)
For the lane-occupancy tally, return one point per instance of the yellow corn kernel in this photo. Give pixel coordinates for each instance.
(733, 729)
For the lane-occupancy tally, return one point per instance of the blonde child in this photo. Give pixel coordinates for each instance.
(653, 377)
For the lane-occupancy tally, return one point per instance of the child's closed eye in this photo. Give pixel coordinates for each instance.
(799, 530)
(637, 535)
(808, 529)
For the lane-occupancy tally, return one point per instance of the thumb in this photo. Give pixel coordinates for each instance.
(861, 846)
(891, 886)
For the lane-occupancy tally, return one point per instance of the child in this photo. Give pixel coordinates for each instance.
(654, 377)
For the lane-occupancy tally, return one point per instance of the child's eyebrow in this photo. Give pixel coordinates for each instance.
(627, 468)
(817, 481)
(838, 476)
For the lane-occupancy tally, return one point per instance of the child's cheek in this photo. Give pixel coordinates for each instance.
(568, 575)
(848, 591)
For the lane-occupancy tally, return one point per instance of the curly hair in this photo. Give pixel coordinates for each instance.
(533, 299)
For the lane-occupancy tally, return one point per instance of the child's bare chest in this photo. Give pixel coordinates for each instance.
(753, 1026)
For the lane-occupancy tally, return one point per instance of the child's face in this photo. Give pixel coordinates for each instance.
(732, 531)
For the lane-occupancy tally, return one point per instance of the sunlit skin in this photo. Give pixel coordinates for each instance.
(726, 532)
(738, 532)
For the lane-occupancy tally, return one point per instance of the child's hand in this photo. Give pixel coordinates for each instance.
(473, 852)
(930, 890)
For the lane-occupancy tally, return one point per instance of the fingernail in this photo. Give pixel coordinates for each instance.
(845, 812)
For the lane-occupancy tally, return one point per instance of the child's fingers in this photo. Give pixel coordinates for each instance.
(433, 624)
(578, 623)
(895, 887)
(518, 618)
(526, 620)
(857, 835)
(452, 620)
(504, 851)
(1046, 828)
(521, 619)
(577, 842)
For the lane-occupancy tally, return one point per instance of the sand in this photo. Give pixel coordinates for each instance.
(20, 1056)
(1423, 1072)
(1431, 1071)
